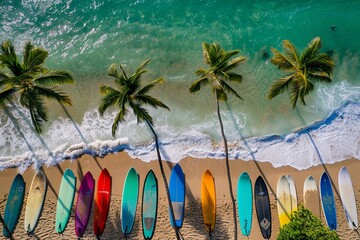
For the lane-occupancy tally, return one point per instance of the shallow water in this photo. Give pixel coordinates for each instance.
(85, 37)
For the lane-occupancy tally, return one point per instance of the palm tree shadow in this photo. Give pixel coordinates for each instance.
(239, 131)
(193, 208)
(322, 163)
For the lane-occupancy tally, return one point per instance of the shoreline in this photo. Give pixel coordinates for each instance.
(118, 165)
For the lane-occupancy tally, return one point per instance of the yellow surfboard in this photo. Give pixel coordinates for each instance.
(283, 200)
(208, 201)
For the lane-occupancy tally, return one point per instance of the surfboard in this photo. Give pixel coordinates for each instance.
(283, 200)
(311, 196)
(348, 198)
(328, 201)
(208, 201)
(84, 203)
(244, 200)
(35, 201)
(262, 206)
(177, 195)
(65, 200)
(102, 202)
(293, 194)
(129, 201)
(13, 205)
(149, 205)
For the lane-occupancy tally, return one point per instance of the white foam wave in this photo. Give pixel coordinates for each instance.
(333, 139)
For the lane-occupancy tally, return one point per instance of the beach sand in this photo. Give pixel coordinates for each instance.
(193, 227)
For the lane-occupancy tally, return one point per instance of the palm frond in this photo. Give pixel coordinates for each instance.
(37, 109)
(120, 117)
(305, 90)
(291, 52)
(112, 71)
(202, 72)
(234, 77)
(281, 61)
(294, 94)
(9, 59)
(141, 113)
(112, 97)
(319, 76)
(54, 77)
(234, 63)
(142, 66)
(52, 94)
(150, 86)
(149, 100)
(225, 56)
(6, 94)
(34, 58)
(321, 62)
(310, 51)
(229, 89)
(205, 47)
(279, 86)
(197, 84)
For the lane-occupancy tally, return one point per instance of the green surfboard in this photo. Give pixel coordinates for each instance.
(13, 205)
(149, 205)
(244, 199)
(65, 200)
(129, 201)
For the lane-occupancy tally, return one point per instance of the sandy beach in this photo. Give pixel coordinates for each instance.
(193, 227)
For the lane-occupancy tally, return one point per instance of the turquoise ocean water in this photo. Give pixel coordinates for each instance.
(85, 37)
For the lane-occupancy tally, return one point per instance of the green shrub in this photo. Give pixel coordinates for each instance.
(304, 225)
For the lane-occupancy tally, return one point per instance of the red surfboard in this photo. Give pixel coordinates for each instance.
(102, 202)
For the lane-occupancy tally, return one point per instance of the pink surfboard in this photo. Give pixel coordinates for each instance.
(84, 203)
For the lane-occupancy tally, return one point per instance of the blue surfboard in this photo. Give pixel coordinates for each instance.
(14, 204)
(327, 201)
(244, 199)
(177, 195)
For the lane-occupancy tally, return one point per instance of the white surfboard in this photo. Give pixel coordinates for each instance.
(311, 196)
(293, 194)
(35, 201)
(348, 198)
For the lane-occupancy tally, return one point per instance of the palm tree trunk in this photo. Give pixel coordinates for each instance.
(164, 179)
(227, 167)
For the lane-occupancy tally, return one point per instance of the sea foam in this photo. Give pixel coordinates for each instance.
(333, 139)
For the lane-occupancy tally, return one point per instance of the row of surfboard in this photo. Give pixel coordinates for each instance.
(286, 201)
(101, 196)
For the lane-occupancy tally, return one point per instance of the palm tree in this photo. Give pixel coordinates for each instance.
(128, 93)
(30, 81)
(217, 76)
(303, 69)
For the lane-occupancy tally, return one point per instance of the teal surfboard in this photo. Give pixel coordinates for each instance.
(65, 200)
(14, 204)
(149, 205)
(129, 201)
(244, 199)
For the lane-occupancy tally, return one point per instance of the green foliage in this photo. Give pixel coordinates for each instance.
(128, 92)
(219, 73)
(303, 70)
(29, 81)
(304, 225)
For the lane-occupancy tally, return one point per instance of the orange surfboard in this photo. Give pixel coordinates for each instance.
(102, 202)
(208, 201)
